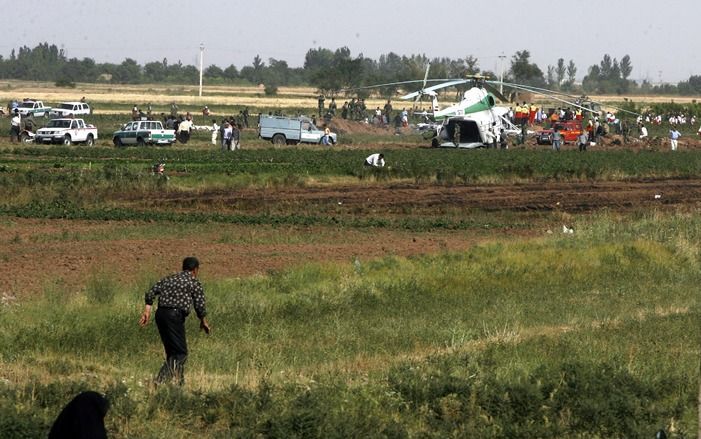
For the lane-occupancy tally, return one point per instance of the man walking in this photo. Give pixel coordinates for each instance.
(674, 136)
(557, 139)
(176, 294)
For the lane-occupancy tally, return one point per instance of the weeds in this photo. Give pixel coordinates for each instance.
(586, 336)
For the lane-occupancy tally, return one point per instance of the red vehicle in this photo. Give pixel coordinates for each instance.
(569, 131)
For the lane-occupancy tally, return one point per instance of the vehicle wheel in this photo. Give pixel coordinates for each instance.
(279, 139)
(140, 142)
(67, 140)
(90, 141)
(434, 143)
(117, 141)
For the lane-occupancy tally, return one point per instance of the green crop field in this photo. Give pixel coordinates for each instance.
(436, 297)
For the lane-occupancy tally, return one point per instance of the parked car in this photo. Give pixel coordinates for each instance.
(143, 132)
(291, 130)
(569, 130)
(33, 108)
(67, 109)
(67, 131)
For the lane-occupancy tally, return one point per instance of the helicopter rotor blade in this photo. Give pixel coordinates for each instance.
(493, 90)
(434, 88)
(388, 84)
(552, 93)
(428, 66)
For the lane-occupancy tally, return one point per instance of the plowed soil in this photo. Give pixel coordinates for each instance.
(42, 254)
(413, 199)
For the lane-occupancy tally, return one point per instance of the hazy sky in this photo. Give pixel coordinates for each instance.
(661, 37)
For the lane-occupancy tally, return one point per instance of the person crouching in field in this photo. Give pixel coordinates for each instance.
(375, 160)
(176, 294)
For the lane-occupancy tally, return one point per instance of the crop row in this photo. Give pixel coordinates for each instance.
(443, 165)
(63, 210)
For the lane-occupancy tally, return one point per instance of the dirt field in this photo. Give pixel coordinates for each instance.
(388, 200)
(45, 252)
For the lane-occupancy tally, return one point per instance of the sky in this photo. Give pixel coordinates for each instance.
(661, 37)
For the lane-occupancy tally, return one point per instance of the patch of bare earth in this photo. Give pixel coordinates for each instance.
(41, 252)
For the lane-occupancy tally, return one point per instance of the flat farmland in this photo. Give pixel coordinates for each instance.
(519, 293)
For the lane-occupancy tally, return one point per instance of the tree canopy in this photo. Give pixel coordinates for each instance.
(330, 71)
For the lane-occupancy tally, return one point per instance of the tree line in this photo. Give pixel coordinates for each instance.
(331, 71)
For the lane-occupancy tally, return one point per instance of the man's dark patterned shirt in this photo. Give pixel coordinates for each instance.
(180, 291)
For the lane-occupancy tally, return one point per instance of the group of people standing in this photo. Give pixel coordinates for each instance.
(229, 134)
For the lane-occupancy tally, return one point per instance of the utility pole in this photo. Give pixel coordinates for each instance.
(501, 73)
(201, 65)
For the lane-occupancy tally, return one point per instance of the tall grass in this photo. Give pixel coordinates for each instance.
(575, 336)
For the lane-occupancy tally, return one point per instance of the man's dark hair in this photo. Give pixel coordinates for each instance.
(190, 263)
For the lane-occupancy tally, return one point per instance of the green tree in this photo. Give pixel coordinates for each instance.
(525, 72)
(230, 72)
(155, 71)
(258, 67)
(550, 78)
(626, 67)
(213, 72)
(560, 71)
(571, 75)
(128, 72)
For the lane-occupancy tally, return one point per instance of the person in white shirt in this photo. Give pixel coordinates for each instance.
(215, 131)
(376, 160)
(226, 140)
(643, 132)
(405, 118)
(184, 130)
(674, 136)
(15, 123)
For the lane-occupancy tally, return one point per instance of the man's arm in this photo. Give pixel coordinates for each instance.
(148, 299)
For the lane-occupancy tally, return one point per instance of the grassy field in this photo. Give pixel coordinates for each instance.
(433, 346)
(520, 331)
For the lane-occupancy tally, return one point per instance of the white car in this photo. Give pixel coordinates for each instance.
(143, 132)
(67, 109)
(33, 108)
(67, 131)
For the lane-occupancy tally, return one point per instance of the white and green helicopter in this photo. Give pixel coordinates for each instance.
(476, 120)
(473, 122)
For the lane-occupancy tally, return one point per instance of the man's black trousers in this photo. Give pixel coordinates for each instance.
(171, 327)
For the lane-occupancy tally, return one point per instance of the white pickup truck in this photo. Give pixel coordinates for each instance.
(67, 109)
(67, 131)
(33, 108)
(291, 130)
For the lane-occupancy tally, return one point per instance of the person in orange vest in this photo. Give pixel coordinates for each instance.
(531, 113)
(555, 117)
(517, 114)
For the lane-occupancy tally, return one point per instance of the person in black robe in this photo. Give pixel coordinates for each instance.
(82, 418)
